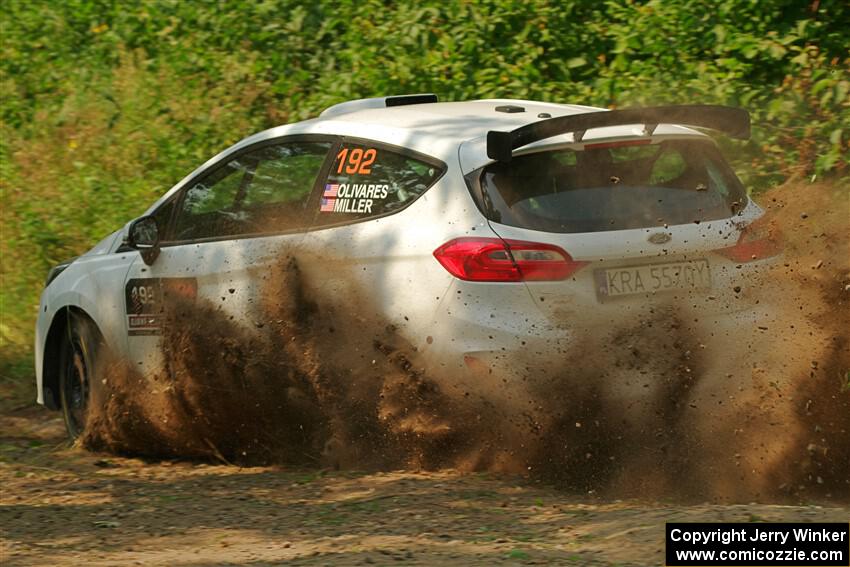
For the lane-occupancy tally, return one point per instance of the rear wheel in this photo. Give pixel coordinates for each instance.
(77, 364)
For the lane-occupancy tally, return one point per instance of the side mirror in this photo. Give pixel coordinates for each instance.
(143, 235)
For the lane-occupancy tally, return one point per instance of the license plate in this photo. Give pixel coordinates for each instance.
(651, 278)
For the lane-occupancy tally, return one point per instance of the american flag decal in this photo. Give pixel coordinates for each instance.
(331, 190)
(327, 205)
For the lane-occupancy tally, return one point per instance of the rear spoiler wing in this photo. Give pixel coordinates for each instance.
(734, 122)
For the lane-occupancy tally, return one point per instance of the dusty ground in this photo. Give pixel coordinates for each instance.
(65, 506)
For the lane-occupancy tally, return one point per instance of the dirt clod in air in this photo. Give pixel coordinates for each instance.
(664, 406)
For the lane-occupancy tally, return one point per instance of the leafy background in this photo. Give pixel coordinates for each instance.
(104, 104)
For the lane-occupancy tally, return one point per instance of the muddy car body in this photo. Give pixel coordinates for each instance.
(494, 235)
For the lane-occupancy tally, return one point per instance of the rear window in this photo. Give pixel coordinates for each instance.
(612, 186)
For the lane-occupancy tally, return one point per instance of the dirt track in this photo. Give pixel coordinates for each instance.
(65, 506)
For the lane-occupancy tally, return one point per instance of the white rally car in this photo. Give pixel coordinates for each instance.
(493, 234)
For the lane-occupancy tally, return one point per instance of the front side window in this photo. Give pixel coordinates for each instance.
(162, 216)
(368, 181)
(611, 186)
(262, 191)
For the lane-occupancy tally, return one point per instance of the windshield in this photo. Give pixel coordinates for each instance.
(611, 186)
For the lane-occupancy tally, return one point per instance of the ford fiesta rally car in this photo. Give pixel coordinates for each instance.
(494, 234)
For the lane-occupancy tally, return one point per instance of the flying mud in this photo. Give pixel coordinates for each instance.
(663, 407)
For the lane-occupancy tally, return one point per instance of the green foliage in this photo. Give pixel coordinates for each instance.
(104, 104)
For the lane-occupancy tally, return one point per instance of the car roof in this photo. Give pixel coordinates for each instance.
(432, 128)
(461, 120)
(440, 128)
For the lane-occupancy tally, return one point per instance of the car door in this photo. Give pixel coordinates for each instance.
(222, 235)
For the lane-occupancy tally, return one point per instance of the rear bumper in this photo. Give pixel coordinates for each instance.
(513, 340)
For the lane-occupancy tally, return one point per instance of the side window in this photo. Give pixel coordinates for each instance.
(366, 181)
(259, 192)
(162, 216)
(285, 174)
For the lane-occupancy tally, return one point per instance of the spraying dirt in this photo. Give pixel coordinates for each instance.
(814, 284)
(755, 411)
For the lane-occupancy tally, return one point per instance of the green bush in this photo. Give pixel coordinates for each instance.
(105, 104)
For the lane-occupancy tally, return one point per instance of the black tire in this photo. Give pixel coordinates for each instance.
(78, 359)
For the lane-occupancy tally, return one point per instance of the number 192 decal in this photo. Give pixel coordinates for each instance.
(356, 160)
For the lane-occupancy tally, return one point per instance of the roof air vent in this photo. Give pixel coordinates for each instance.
(510, 108)
(403, 100)
(378, 102)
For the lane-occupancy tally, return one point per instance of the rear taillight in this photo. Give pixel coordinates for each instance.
(758, 240)
(496, 260)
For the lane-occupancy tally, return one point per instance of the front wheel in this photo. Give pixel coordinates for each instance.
(77, 364)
